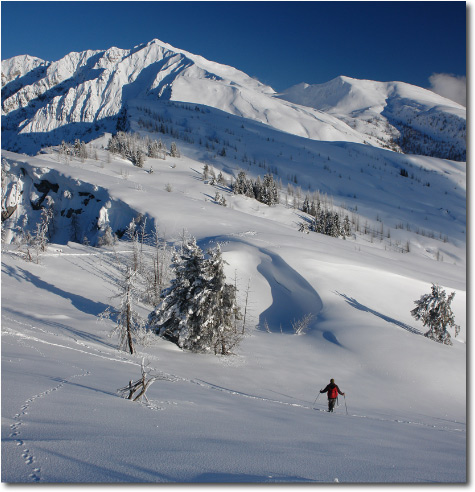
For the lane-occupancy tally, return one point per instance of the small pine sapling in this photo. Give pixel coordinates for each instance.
(435, 312)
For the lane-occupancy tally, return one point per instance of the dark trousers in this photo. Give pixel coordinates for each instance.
(331, 404)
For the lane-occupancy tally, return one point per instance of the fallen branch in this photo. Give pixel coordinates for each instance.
(135, 390)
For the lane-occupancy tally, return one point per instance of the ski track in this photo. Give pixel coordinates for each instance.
(212, 386)
(21, 417)
(298, 405)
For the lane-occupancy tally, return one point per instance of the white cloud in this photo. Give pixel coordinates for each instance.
(453, 87)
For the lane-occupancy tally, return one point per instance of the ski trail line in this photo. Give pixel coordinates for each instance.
(212, 386)
(9, 332)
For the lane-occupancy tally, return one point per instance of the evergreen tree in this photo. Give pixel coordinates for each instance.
(239, 187)
(257, 189)
(198, 311)
(218, 308)
(174, 152)
(173, 318)
(346, 230)
(269, 191)
(205, 172)
(435, 312)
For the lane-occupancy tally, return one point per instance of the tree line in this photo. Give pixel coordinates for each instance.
(136, 149)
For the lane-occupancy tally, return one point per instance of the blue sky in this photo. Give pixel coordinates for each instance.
(280, 43)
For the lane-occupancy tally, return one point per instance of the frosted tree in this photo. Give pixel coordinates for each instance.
(174, 152)
(172, 319)
(205, 174)
(435, 312)
(217, 308)
(239, 187)
(106, 237)
(130, 326)
(198, 311)
(269, 191)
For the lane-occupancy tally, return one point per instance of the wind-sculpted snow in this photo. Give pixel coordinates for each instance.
(292, 296)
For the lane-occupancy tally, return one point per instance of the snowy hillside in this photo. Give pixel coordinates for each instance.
(392, 114)
(256, 415)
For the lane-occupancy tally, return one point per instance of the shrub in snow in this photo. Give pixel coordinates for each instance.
(435, 312)
(219, 199)
(106, 237)
(38, 241)
(301, 325)
(198, 311)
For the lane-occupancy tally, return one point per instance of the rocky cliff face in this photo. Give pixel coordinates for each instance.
(81, 212)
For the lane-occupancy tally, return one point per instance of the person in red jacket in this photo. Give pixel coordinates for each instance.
(332, 390)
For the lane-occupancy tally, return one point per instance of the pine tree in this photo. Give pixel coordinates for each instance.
(269, 193)
(173, 319)
(198, 311)
(239, 187)
(435, 312)
(218, 308)
(174, 152)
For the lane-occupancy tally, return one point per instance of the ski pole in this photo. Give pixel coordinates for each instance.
(344, 397)
(316, 399)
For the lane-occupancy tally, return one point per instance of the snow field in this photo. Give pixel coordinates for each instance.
(247, 418)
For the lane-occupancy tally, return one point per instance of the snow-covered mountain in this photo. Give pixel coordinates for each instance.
(85, 93)
(255, 415)
(392, 114)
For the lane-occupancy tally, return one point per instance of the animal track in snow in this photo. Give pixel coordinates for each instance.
(28, 457)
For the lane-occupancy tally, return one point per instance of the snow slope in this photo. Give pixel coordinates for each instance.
(251, 417)
(395, 114)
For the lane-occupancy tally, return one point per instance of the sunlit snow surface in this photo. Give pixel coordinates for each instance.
(255, 416)
(252, 416)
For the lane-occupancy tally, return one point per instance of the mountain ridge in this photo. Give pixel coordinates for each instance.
(397, 114)
(84, 94)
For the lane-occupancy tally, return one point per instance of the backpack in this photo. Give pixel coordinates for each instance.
(333, 391)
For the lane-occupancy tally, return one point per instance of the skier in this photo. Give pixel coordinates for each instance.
(332, 390)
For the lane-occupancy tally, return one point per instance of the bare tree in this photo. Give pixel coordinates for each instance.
(129, 323)
(301, 325)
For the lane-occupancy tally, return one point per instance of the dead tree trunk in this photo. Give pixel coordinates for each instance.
(136, 390)
(129, 328)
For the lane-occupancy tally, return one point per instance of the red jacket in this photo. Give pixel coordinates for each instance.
(332, 389)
